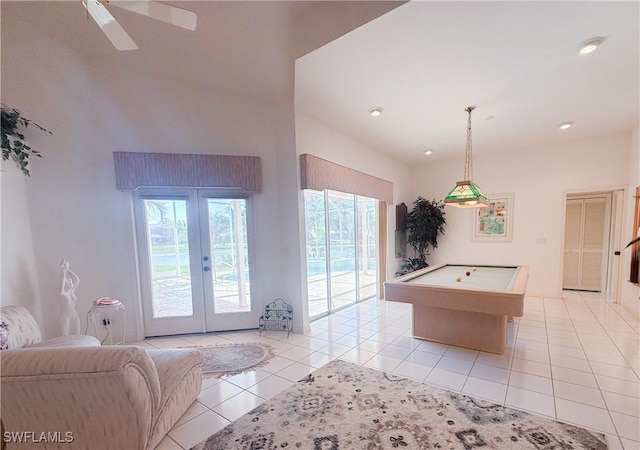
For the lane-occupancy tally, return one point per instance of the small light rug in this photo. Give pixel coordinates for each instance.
(233, 359)
(350, 407)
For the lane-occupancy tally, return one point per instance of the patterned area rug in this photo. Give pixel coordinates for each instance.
(347, 406)
(232, 359)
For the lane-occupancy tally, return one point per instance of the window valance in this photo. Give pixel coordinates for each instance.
(320, 174)
(135, 169)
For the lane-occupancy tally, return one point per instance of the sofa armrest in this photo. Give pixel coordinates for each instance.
(73, 340)
(107, 397)
(180, 375)
(74, 360)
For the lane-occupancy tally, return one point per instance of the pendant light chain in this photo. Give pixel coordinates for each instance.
(468, 157)
(467, 194)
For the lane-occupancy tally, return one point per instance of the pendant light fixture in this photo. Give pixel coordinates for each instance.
(467, 194)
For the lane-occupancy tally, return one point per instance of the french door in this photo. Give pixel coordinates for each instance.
(195, 260)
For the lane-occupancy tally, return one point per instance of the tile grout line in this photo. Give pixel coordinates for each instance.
(511, 370)
(607, 332)
(469, 374)
(513, 354)
(546, 329)
(591, 367)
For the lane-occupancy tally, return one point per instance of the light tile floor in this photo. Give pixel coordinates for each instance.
(575, 359)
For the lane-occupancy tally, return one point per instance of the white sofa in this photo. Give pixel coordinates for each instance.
(86, 396)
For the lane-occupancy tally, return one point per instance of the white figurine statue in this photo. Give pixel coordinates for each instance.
(69, 319)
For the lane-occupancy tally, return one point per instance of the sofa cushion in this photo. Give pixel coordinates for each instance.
(23, 328)
(4, 335)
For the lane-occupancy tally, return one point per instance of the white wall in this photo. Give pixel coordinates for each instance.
(34, 90)
(540, 179)
(70, 207)
(630, 297)
(317, 139)
(18, 280)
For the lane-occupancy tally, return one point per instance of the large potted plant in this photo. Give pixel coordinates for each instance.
(424, 223)
(13, 143)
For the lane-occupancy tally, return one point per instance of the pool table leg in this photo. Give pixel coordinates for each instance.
(478, 331)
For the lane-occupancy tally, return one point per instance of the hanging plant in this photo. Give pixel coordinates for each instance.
(13, 143)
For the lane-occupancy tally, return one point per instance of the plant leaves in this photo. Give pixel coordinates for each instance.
(633, 241)
(425, 221)
(17, 149)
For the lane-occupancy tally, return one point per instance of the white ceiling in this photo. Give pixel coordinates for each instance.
(243, 47)
(424, 62)
(239, 46)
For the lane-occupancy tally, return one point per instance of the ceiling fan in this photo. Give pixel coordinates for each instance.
(158, 11)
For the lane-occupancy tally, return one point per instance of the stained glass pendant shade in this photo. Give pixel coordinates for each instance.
(467, 194)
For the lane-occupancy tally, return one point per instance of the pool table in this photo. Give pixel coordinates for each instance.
(471, 312)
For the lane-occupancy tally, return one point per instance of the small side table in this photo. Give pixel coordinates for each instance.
(102, 315)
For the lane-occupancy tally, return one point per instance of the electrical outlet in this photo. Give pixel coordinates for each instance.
(106, 321)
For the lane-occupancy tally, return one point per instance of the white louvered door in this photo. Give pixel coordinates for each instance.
(585, 243)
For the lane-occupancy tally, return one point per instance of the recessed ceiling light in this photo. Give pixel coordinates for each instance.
(565, 126)
(428, 152)
(375, 111)
(590, 45)
(489, 117)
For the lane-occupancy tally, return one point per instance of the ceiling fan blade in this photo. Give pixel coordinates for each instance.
(159, 11)
(112, 29)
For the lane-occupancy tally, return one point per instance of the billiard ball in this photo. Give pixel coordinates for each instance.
(458, 278)
(468, 273)
(474, 269)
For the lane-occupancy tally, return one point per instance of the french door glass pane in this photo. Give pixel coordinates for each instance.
(229, 255)
(316, 245)
(367, 251)
(342, 250)
(166, 222)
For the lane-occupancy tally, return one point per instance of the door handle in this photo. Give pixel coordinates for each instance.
(206, 268)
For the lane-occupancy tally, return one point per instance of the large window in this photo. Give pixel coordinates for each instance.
(341, 249)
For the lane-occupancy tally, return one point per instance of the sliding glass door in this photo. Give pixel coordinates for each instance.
(367, 213)
(316, 242)
(341, 243)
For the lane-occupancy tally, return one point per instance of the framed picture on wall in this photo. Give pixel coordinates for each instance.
(494, 223)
